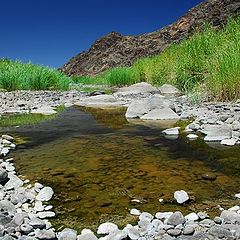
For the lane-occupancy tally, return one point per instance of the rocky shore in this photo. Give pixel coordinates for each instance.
(25, 211)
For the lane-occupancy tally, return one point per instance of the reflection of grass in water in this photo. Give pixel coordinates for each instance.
(112, 117)
(27, 118)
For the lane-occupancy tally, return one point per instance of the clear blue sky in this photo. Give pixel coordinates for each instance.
(49, 32)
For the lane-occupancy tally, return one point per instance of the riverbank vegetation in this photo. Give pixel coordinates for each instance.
(208, 62)
(16, 120)
(15, 75)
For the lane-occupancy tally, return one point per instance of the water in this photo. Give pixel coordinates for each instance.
(100, 166)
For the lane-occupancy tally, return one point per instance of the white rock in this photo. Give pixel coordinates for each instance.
(163, 215)
(181, 196)
(38, 206)
(237, 195)
(106, 228)
(4, 151)
(7, 137)
(234, 208)
(135, 212)
(46, 110)
(229, 142)
(86, 231)
(164, 113)
(172, 131)
(145, 216)
(191, 217)
(192, 136)
(67, 234)
(47, 214)
(45, 194)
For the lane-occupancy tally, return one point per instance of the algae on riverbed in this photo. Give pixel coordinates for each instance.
(99, 172)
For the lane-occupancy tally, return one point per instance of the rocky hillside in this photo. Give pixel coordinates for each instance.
(115, 49)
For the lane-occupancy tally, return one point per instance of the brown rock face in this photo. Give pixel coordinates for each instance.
(115, 49)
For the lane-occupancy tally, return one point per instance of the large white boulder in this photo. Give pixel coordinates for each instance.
(152, 108)
(216, 132)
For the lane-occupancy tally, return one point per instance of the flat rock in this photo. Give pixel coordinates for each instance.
(44, 110)
(100, 101)
(47, 214)
(164, 113)
(229, 142)
(217, 132)
(45, 194)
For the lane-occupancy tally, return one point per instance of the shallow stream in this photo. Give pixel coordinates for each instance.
(100, 166)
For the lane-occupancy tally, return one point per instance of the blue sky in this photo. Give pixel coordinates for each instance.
(49, 32)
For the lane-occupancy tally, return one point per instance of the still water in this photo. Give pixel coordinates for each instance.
(100, 166)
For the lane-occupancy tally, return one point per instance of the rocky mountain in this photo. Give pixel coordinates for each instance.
(115, 49)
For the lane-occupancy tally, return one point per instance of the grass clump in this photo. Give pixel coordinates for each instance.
(15, 75)
(23, 119)
(121, 76)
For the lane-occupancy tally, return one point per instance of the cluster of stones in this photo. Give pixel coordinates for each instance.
(23, 208)
(218, 122)
(167, 226)
(42, 102)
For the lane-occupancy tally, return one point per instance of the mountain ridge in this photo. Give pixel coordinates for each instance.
(117, 50)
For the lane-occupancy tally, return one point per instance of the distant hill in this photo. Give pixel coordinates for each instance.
(115, 50)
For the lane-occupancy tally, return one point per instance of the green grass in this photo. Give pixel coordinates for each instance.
(27, 118)
(206, 64)
(15, 75)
